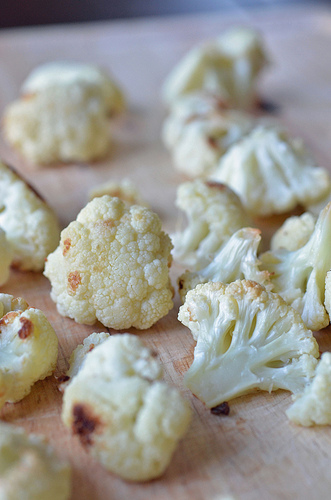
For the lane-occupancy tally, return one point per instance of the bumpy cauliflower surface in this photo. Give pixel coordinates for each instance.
(271, 172)
(299, 276)
(247, 338)
(294, 233)
(6, 257)
(214, 213)
(28, 348)
(112, 265)
(124, 190)
(228, 66)
(122, 414)
(313, 406)
(29, 467)
(31, 226)
(237, 259)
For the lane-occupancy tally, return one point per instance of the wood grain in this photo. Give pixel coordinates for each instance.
(255, 453)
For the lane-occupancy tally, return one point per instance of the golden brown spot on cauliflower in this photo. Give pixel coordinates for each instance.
(74, 280)
(26, 328)
(212, 142)
(218, 185)
(8, 318)
(92, 346)
(108, 223)
(84, 423)
(66, 246)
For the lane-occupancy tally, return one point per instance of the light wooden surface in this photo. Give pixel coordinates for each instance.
(255, 453)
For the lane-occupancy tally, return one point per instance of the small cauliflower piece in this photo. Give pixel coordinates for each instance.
(271, 172)
(31, 226)
(28, 348)
(313, 406)
(299, 276)
(247, 339)
(6, 257)
(214, 213)
(237, 259)
(112, 265)
(124, 190)
(227, 66)
(29, 467)
(122, 414)
(294, 233)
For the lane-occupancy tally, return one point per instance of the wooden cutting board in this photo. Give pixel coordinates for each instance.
(254, 453)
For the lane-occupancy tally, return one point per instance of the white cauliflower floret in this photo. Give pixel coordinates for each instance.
(122, 414)
(247, 338)
(112, 265)
(31, 226)
(124, 190)
(294, 233)
(271, 172)
(237, 259)
(299, 276)
(198, 139)
(28, 348)
(6, 257)
(29, 467)
(313, 406)
(214, 213)
(228, 66)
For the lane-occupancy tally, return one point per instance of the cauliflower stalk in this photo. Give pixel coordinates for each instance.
(247, 338)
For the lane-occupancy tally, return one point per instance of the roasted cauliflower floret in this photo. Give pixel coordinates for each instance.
(237, 259)
(247, 338)
(112, 265)
(29, 467)
(124, 190)
(228, 66)
(31, 226)
(214, 213)
(199, 135)
(294, 233)
(121, 413)
(28, 348)
(313, 406)
(6, 257)
(299, 276)
(271, 172)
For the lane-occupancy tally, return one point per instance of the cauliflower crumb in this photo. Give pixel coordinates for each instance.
(294, 233)
(124, 190)
(112, 265)
(122, 414)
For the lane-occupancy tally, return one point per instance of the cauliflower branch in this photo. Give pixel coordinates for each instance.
(247, 338)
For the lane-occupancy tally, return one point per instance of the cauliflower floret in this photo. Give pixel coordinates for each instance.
(29, 468)
(237, 259)
(124, 190)
(30, 225)
(313, 406)
(198, 139)
(299, 276)
(228, 66)
(112, 265)
(247, 338)
(28, 348)
(6, 257)
(214, 213)
(271, 172)
(122, 414)
(294, 233)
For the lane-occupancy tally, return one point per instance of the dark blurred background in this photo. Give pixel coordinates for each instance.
(34, 12)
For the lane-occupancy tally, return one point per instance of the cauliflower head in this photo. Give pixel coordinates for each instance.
(6, 257)
(124, 190)
(271, 172)
(31, 226)
(299, 276)
(228, 66)
(112, 265)
(214, 212)
(236, 259)
(28, 348)
(122, 414)
(247, 338)
(294, 233)
(29, 467)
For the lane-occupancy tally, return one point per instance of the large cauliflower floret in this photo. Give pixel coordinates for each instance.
(124, 190)
(299, 276)
(247, 338)
(271, 172)
(214, 213)
(6, 257)
(31, 226)
(237, 259)
(29, 467)
(294, 233)
(122, 414)
(228, 66)
(313, 406)
(112, 265)
(28, 348)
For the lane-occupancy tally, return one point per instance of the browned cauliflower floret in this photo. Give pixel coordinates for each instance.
(112, 265)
